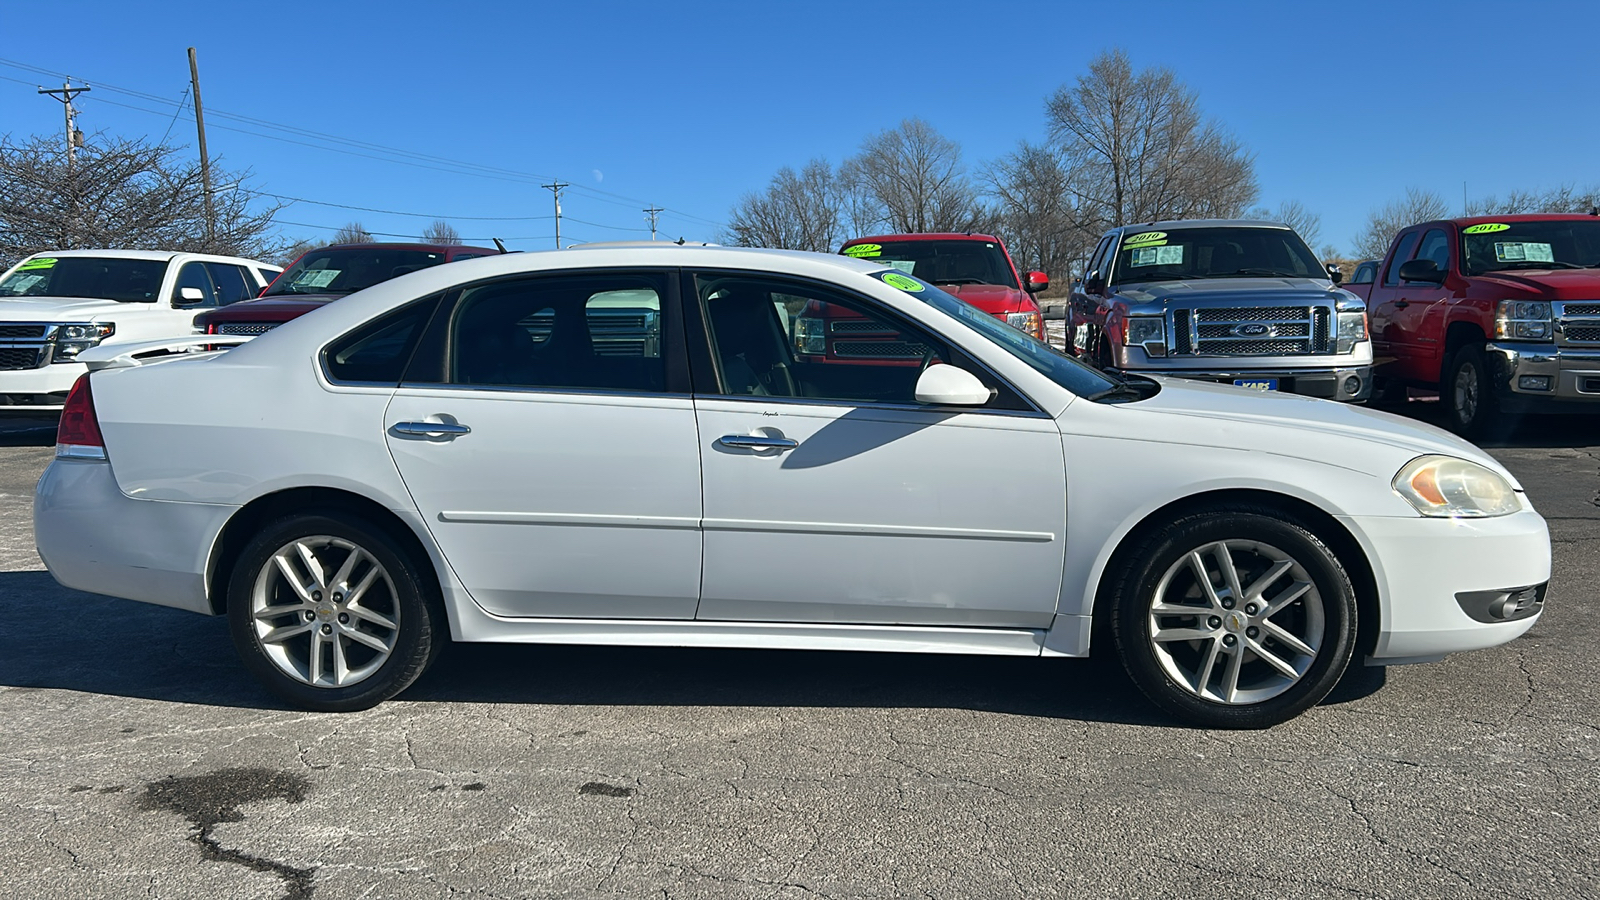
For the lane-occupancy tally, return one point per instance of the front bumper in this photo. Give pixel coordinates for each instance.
(92, 537)
(1436, 577)
(1543, 376)
(1328, 382)
(32, 392)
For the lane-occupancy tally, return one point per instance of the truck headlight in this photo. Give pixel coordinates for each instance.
(810, 336)
(1526, 320)
(1149, 332)
(1352, 331)
(1027, 322)
(1446, 487)
(74, 339)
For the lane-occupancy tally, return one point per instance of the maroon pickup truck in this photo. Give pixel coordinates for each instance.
(1500, 314)
(322, 276)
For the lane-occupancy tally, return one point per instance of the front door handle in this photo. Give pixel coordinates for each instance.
(1401, 304)
(757, 442)
(430, 429)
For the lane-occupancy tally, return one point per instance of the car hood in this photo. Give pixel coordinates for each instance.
(1340, 434)
(991, 298)
(54, 309)
(1208, 289)
(1554, 284)
(282, 307)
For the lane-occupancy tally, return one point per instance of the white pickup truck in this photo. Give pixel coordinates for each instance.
(55, 305)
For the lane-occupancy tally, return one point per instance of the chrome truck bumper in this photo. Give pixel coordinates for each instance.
(1536, 377)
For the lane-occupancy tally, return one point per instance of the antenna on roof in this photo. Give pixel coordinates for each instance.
(679, 242)
(500, 245)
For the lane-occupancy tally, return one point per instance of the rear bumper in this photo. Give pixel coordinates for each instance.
(1544, 378)
(92, 537)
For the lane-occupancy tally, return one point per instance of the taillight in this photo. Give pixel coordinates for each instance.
(211, 328)
(78, 434)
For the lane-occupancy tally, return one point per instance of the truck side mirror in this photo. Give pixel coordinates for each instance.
(1036, 282)
(189, 296)
(1422, 270)
(1094, 282)
(1335, 273)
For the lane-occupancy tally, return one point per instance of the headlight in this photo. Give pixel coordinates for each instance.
(810, 337)
(1352, 331)
(1447, 487)
(74, 339)
(1027, 322)
(1527, 320)
(1149, 332)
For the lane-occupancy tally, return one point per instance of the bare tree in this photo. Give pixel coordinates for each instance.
(441, 232)
(352, 233)
(1294, 214)
(120, 194)
(799, 211)
(910, 179)
(1382, 224)
(292, 251)
(1563, 199)
(1140, 151)
(1032, 188)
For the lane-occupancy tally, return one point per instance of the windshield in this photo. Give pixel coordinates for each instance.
(942, 262)
(344, 270)
(1225, 252)
(1048, 361)
(1555, 244)
(101, 278)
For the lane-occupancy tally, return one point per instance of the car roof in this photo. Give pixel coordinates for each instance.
(1181, 224)
(925, 236)
(1466, 221)
(153, 255)
(435, 248)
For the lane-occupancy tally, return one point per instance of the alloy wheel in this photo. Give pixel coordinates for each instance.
(324, 611)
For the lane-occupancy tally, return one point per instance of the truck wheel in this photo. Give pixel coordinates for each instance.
(1469, 397)
(1234, 617)
(331, 614)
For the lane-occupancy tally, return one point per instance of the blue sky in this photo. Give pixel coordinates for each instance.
(689, 105)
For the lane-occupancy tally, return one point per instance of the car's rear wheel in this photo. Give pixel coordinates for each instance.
(330, 613)
(1237, 617)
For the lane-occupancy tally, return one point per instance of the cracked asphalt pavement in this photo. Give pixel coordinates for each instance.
(138, 759)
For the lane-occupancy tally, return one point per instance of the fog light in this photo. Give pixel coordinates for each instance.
(1533, 382)
(1352, 385)
(1514, 604)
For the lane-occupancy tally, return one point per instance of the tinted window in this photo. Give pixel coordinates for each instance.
(1098, 261)
(1436, 247)
(342, 270)
(194, 275)
(123, 280)
(942, 262)
(1364, 273)
(378, 351)
(1402, 253)
(591, 332)
(1551, 244)
(1226, 252)
(232, 283)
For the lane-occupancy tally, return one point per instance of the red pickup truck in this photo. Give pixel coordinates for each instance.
(1501, 314)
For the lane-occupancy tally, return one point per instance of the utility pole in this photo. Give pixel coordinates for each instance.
(652, 212)
(556, 189)
(74, 137)
(205, 161)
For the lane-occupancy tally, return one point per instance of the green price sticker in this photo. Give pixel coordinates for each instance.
(1486, 228)
(860, 250)
(43, 262)
(895, 279)
(1147, 238)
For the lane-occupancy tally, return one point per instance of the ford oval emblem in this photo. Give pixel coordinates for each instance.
(1252, 330)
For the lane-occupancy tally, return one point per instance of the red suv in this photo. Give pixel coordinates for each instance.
(973, 267)
(322, 276)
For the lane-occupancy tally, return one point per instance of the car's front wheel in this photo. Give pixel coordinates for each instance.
(1237, 617)
(330, 613)
(1468, 392)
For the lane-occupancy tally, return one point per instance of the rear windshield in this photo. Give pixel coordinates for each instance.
(942, 262)
(348, 269)
(104, 278)
(1190, 253)
(1557, 244)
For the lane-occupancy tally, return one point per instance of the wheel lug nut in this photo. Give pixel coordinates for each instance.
(310, 615)
(316, 596)
(328, 629)
(338, 597)
(345, 620)
(1214, 622)
(1252, 631)
(1227, 639)
(1227, 603)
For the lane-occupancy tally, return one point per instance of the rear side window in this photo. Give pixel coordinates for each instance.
(1402, 254)
(377, 352)
(232, 283)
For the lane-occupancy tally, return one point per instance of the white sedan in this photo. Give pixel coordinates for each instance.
(652, 445)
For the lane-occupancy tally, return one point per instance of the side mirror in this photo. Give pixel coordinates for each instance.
(1036, 282)
(1094, 283)
(1422, 270)
(190, 295)
(946, 385)
(1335, 273)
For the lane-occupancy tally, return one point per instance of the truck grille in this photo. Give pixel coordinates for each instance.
(21, 357)
(1251, 331)
(246, 327)
(878, 349)
(22, 332)
(839, 326)
(1583, 334)
(1582, 309)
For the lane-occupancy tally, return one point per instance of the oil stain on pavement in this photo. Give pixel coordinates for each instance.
(209, 800)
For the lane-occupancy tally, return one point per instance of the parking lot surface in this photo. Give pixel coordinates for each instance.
(138, 759)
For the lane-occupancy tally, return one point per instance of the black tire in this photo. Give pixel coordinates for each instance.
(1323, 618)
(401, 594)
(1388, 392)
(1472, 408)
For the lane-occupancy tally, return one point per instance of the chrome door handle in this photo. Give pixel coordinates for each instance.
(430, 429)
(757, 442)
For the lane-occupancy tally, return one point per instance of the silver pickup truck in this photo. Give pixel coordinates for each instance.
(1233, 301)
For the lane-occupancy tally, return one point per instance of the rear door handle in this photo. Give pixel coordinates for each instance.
(430, 429)
(1401, 304)
(757, 442)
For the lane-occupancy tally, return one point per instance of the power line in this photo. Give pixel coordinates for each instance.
(182, 102)
(412, 237)
(396, 212)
